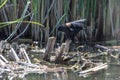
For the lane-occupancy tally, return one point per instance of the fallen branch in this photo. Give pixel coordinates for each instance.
(102, 48)
(2, 63)
(94, 69)
(25, 55)
(13, 55)
(4, 59)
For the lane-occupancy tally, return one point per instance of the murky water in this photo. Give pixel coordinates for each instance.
(112, 73)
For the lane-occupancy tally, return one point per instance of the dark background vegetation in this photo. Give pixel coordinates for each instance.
(103, 18)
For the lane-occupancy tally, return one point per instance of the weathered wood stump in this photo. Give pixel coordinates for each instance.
(66, 49)
(58, 58)
(49, 48)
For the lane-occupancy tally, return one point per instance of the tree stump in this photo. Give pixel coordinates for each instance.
(49, 48)
(66, 49)
(58, 58)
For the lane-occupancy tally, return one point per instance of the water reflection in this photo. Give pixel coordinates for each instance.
(112, 73)
(69, 75)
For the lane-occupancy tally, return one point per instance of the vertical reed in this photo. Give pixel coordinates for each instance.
(102, 15)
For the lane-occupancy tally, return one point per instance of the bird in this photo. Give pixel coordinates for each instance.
(71, 29)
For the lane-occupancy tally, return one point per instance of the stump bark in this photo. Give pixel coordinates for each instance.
(66, 49)
(58, 58)
(49, 48)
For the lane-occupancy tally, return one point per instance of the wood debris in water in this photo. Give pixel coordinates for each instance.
(83, 63)
(93, 70)
(20, 68)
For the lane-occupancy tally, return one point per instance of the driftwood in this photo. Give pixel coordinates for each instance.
(17, 68)
(25, 55)
(102, 48)
(20, 69)
(13, 55)
(28, 64)
(2, 63)
(4, 59)
(5, 70)
(69, 58)
(94, 69)
(49, 48)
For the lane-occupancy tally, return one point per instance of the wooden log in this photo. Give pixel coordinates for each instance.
(66, 49)
(13, 55)
(25, 55)
(58, 58)
(100, 67)
(28, 64)
(102, 48)
(2, 45)
(94, 69)
(49, 48)
(6, 70)
(2, 63)
(4, 59)
(69, 58)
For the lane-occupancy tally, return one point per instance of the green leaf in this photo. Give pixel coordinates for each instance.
(3, 3)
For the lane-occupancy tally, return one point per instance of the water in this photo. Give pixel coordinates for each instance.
(112, 73)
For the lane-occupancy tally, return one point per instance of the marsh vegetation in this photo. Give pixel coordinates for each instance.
(31, 43)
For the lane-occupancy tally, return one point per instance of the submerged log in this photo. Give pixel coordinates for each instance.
(49, 48)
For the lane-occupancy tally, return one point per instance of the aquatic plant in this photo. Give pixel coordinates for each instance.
(102, 16)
